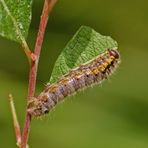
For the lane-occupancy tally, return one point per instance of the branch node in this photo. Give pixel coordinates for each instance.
(33, 57)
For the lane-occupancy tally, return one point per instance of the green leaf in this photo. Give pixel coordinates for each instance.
(15, 18)
(83, 47)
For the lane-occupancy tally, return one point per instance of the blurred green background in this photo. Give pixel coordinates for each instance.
(113, 115)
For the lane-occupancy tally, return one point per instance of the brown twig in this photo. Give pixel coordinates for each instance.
(15, 121)
(47, 8)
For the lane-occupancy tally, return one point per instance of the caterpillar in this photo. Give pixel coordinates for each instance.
(92, 72)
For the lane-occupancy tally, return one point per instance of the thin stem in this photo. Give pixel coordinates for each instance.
(15, 121)
(48, 5)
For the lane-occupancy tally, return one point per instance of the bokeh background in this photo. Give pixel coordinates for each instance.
(113, 115)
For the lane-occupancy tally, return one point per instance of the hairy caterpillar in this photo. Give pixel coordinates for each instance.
(93, 72)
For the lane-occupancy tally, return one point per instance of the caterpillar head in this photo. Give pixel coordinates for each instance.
(114, 53)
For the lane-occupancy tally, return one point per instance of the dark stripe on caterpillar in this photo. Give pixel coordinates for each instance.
(92, 72)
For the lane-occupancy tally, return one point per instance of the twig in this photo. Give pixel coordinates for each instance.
(48, 5)
(15, 121)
